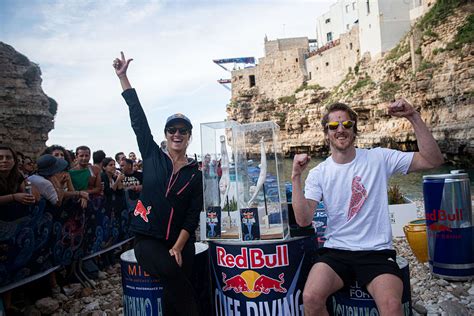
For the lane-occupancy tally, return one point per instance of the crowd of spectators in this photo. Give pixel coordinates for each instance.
(59, 175)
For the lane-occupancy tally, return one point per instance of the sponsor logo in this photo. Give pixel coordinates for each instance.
(435, 227)
(142, 211)
(253, 258)
(442, 215)
(252, 284)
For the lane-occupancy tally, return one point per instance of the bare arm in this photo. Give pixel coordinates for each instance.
(97, 188)
(304, 208)
(121, 66)
(429, 155)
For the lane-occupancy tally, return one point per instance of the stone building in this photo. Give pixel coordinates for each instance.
(279, 73)
(328, 66)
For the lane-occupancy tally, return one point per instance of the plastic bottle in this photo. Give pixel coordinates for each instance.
(27, 187)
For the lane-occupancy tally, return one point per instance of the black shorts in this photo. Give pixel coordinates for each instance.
(360, 266)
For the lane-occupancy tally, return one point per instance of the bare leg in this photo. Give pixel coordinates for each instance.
(322, 281)
(387, 289)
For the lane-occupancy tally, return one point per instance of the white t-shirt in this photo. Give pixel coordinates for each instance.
(45, 188)
(355, 196)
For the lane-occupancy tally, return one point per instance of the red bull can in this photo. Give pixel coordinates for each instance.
(450, 229)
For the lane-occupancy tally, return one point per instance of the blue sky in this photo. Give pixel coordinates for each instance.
(172, 43)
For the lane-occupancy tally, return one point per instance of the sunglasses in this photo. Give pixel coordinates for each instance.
(182, 130)
(334, 125)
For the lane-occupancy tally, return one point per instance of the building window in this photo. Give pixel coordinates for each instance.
(309, 77)
(347, 26)
(328, 21)
(327, 63)
(347, 8)
(329, 36)
(252, 81)
(350, 46)
(296, 59)
(368, 7)
(353, 6)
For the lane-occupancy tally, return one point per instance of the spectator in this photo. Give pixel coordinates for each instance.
(69, 192)
(132, 181)
(49, 179)
(97, 158)
(12, 188)
(118, 158)
(132, 156)
(28, 166)
(85, 176)
(59, 152)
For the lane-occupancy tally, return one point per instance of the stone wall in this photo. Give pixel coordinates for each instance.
(283, 44)
(25, 120)
(281, 73)
(329, 67)
(241, 80)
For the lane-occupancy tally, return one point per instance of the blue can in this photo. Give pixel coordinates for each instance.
(450, 229)
(142, 293)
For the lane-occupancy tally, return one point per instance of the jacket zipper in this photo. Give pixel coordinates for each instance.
(169, 224)
(189, 181)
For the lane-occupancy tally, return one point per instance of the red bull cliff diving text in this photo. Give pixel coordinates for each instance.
(260, 279)
(450, 229)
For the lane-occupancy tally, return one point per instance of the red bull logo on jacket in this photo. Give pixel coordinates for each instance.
(142, 211)
(253, 258)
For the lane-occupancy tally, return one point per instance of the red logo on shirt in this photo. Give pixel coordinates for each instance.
(359, 195)
(142, 211)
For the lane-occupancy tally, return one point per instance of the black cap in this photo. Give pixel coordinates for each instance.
(178, 118)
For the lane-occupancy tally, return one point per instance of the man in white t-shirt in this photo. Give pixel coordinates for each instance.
(353, 184)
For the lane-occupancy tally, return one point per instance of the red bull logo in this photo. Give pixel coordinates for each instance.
(442, 215)
(142, 211)
(439, 228)
(252, 284)
(253, 258)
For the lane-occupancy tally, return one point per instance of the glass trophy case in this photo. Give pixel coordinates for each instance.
(261, 192)
(220, 216)
(244, 197)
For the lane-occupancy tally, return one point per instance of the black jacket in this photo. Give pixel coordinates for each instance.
(167, 203)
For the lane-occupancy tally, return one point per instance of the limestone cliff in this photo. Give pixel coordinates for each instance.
(432, 67)
(26, 112)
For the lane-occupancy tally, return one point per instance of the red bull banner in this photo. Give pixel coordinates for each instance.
(260, 279)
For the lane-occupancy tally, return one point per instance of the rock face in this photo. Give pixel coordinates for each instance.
(436, 80)
(24, 108)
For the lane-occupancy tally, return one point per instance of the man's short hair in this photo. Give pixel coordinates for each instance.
(83, 148)
(98, 156)
(117, 155)
(339, 107)
(128, 161)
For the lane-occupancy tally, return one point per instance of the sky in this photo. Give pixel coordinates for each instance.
(172, 43)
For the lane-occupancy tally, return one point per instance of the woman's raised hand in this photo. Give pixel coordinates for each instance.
(121, 65)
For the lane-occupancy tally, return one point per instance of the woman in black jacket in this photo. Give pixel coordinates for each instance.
(168, 209)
